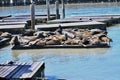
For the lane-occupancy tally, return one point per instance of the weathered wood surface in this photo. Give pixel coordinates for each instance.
(25, 18)
(69, 25)
(19, 70)
(21, 26)
(32, 15)
(68, 20)
(56, 46)
(20, 21)
(99, 15)
(99, 18)
(17, 21)
(11, 23)
(4, 16)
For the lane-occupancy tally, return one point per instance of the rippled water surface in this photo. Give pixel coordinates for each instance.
(73, 64)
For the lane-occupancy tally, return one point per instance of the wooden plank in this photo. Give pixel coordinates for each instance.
(25, 17)
(68, 24)
(20, 65)
(37, 67)
(22, 70)
(69, 34)
(19, 70)
(1, 66)
(12, 23)
(32, 68)
(68, 20)
(3, 70)
(22, 26)
(100, 15)
(5, 16)
(35, 15)
(10, 69)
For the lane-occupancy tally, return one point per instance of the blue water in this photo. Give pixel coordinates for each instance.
(73, 64)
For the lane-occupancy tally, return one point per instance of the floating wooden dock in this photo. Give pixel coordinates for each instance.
(89, 25)
(108, 19)
(4, 16)
(22, 22)
(22, 71)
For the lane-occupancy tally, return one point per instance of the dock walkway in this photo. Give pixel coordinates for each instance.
(20, 22)
(18, 70)
(107, 19)
(92, 24)
(23, 22)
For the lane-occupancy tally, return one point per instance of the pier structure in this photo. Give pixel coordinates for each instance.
(22, 22)
(22, 71)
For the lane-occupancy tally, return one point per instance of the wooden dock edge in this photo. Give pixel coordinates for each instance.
(58, 47)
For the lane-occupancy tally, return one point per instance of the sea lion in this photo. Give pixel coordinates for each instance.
(41, 42)
(6, 35)
(106, 40)
(31, 38)
(33, 43)
(28, 32)
(95, 31)
(85, 41)
(40, 34)
(15, 41)
(61, 37)
(72, 42)
(53, 42)
(86, 33)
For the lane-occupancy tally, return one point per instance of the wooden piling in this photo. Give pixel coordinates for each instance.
(57, 9)
(24, 2)
(63, 9)
(11, 2)
(32, 9)
(48, 9)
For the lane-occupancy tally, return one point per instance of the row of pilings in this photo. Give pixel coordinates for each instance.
(23, 2)
(42, 2)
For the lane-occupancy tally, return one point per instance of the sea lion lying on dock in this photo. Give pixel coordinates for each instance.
(53, 42)
(72, 42)
(80, 37)
(6, 35)
(41, 42)
(28, 32)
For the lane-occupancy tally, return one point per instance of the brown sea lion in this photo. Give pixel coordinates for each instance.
(60, 37)
(40, 34)
(28, 32)
(72, 42)
(41, 42)
(86, 33)
(106, 40)
(31, 38)
(53, 42)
